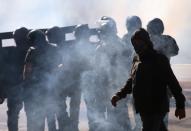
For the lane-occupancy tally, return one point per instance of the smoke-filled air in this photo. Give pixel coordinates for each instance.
(63, 53)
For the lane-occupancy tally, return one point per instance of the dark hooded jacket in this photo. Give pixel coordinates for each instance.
(148, 82)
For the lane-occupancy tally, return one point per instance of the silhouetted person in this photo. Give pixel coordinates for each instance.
(40, 64)
(86, 50)
(164, 44)
(56, 36)
(151, 73)
(133, 23)
(13, 67)
(110, 67)
(77, 64)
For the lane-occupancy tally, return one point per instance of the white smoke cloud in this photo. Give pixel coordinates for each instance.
(47, 13)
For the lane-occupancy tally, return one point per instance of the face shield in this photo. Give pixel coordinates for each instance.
(106, 27)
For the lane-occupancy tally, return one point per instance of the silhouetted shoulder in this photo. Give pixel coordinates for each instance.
(162, 60)
(171, 47)
(169, 38)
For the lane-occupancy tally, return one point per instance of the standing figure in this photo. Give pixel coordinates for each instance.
(112, 73)
(86, 51)
(164, 44)
(133, 23)
(78, 64)
(13, 67)
(39, 70)
(58, 105)
(151, 73)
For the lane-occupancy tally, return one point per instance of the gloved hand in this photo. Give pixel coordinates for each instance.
(180, 113)
(114, 100)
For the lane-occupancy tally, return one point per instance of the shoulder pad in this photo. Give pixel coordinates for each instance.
(169, 38)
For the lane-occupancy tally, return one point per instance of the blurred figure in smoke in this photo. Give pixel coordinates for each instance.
(133, 23)
(12, 71)
(112, 74)
(75, 66)
(38, 72)
(151, 73)
(56, 36)
(86, 50)
(164, 44)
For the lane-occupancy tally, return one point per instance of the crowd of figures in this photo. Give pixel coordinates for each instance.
(43, 70)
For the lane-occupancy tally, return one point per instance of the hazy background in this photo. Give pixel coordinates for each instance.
(176, 15)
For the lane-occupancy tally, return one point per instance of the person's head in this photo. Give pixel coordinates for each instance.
(20, 37)
(141, 41)
(55, 35)
(107, 27)
(82, 32)
(155, 27)
(133, 23)
(37, 38)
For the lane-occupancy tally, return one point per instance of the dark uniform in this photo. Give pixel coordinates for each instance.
(55, 35)
(37, 85)
(112, 69)
(14, 63)
(13, 67)
(40, 67)
(76, 64)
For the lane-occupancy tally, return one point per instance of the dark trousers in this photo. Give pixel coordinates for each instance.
(56, 111)
(14, 107)
(34, 108)
(153, 122)
(75, 109)
(14, 104)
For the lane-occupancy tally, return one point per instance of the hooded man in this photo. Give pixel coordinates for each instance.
(150, 75)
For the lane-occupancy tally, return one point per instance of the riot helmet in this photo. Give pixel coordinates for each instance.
(133, 23)
(37, 38)
(55, 35)
(155, 27)
(107, 25)
(20, 37)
